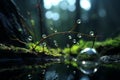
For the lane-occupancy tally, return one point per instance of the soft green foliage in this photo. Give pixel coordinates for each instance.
(112, 42)
(44, 49)
(30, 45)
(54, 52)
(75, 49)
(66, 50)
(85, 44)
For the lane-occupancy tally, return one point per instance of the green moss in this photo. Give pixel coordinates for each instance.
(75, 49)
(66, 50)
(112, 42)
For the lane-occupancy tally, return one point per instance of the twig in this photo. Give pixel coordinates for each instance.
(57, 33)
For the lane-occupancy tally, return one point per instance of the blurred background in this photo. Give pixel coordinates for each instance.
(45, 17)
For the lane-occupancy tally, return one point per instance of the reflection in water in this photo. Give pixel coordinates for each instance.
(70, 77)
(57, 71)
(89, 67)
(51, 75)
(61, 72)
(84, 78)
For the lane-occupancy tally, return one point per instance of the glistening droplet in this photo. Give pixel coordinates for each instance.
(44, 44)
(68, 45)
(56, 31)
(55, 43)
(51, 28)
(74, 41)
(44, 36)
(74, 72)
(91, 33)
(30, 38)
(88, 61)
(29, 76)
(70, 37)
(79, 35)
(78, 21)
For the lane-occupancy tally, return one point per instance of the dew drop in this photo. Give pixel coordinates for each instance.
(44, 36)
(1, 44)
(74, 40)
(29, 76)
(55, 43)
(70, 37)
(88, 65)
(44, 44)
(51, 28)
(30, 38)
(43, 71)
(32, 22)
(78, 43)
(56, 31)
(91, 33)
(79, 35)
(28, 13)
(68, 66)
(19, 29)
(78, 21)
(74, 72)
(68, 45)
(74, 59)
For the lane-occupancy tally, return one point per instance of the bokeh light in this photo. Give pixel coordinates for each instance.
(85, 4)
(52, 15)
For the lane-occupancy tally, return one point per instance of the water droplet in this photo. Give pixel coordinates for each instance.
(30, 38)
(28, 13)
(19, 29)
(78, 43)
(1, 44)
(44, 36)
(43, 71)
(55, 31)
(32, 22)
(79, 35)
(29, 76)
(74, 72)
(51, 28)
(74, 59)
(68, 45)
(91, 33)
(74, 41)
(88, 61)
(78, 21)
(68, 66)
(55, 43)
(70, 37)
(44, 44)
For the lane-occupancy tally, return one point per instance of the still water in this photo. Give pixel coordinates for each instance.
(56, 71)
